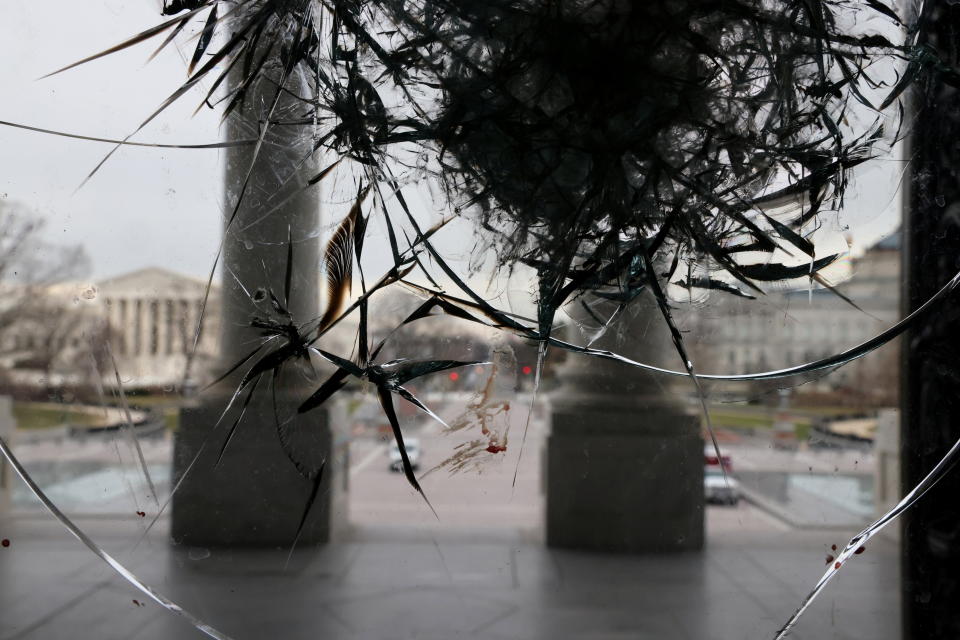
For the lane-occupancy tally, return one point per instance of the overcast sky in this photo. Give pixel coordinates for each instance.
(146, 206)
(149, 207)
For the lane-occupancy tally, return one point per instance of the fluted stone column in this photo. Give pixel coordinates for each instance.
(127, 327)
(624, 458)
(256, 496)
(139, 327)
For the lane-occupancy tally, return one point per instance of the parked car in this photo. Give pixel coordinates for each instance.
(720, 490)
(412, 445)
(710, 459)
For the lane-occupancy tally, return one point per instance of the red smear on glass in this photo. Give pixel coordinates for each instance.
(495, 448)
(859, 551)
(836, 566)
(829, 559)
(4, 543)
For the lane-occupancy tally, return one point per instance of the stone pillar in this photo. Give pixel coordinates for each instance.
(183, 331)
(930, 400)
(123, 327)
(624, 458)
(136, 327)
(154, 331)
(165, 322)
(256, 496)
(204, 345)
(140, 327)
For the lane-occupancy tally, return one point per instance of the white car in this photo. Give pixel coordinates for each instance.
(718, 489)
(412, 445)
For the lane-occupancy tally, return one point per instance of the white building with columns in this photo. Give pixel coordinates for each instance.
(148, 317)
(152, 317)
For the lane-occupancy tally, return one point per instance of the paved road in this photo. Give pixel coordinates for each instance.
(483, 498)
(755, 455)
(482, 495)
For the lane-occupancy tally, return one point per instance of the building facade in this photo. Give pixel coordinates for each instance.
(145, 322)
(152, 317)
(787, 328)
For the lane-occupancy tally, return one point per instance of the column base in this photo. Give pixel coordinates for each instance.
(624, 479)
(255, 497)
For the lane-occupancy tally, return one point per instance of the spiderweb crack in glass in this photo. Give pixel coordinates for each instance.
(609, 146)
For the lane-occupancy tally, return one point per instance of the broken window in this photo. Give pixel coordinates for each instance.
(515, 278)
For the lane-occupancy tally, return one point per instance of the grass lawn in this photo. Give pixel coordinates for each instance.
(45, 415)
(740, 421)
(802, 431)
(37, 415)
(171, 418)
(762, 418)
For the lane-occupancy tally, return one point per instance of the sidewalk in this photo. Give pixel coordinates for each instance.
(404, 583)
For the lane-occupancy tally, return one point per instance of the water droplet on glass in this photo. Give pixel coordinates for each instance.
(198, 553)
(248, 245)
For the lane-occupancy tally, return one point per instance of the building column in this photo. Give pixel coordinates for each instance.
(930, 402)
(624, 458)
(153, 328)
(165, 322)
(123, 327)
(183, 326)
(194, 314)
(140, 327)
(256, 496)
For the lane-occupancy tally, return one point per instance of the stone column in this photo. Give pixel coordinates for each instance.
(930, 401)
(143, 327)
(129, 325)
(155, 326)
(183, 327)
(133, 327)
(624, 458)
(163, 334)
(123, 327)
(256, 496)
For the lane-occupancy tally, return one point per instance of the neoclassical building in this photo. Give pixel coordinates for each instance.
(148, 317)
(786, 328)
(151, 317)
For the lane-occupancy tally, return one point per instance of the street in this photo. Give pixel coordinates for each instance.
(807, 487)
(483, 499)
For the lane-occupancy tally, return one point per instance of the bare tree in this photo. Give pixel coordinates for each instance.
(35, 327)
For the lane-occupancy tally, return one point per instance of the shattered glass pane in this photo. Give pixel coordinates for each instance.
(423, 319)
